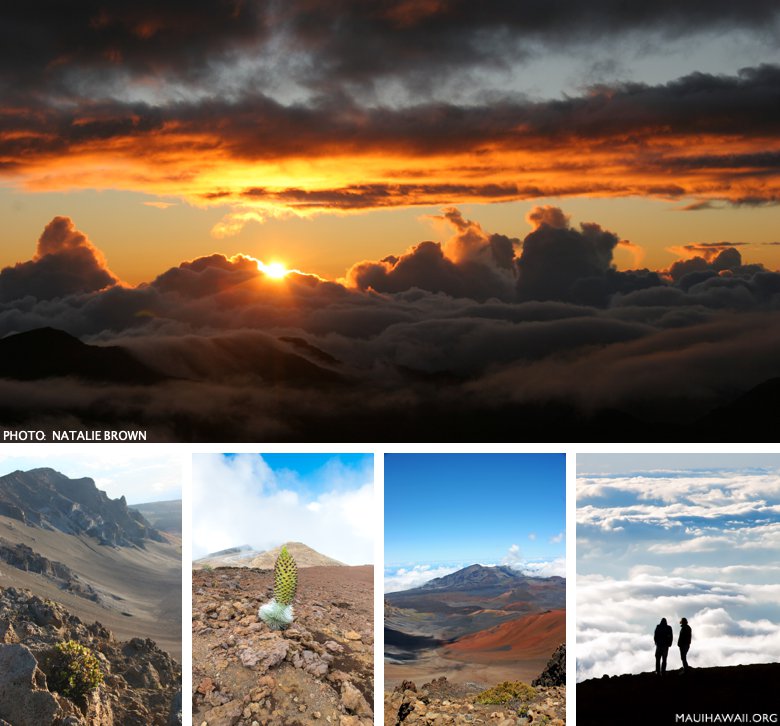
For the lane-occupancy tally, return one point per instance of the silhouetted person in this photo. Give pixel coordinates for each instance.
(664, 639)
(684, 641)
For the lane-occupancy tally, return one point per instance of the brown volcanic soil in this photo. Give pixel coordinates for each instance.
(514, 650)
(320, 670)
(139, 590)
(646, 698)
(533, 637)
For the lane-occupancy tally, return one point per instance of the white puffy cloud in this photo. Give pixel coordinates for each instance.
(732, 624)
(240, 500)
(515, 559)
(407, 578)
(695, 544)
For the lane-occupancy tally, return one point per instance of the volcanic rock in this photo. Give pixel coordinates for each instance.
(554, 673)
(46, 499)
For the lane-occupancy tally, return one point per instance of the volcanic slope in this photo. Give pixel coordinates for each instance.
(66, 541)
(165, 516)
(247, 556)
(320, 670)
(480, 624)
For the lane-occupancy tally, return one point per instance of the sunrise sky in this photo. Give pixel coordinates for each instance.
(323, 134)
(481, 205)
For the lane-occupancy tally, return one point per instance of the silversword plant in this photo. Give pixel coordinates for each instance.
(278, 613)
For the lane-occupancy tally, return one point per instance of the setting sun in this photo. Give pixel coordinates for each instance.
(274, 270)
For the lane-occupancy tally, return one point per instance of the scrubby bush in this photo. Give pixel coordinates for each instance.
(74, 670)
(506, 692)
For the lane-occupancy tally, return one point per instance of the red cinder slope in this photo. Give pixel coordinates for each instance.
(532, 636)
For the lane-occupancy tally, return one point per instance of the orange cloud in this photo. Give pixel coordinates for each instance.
(265, 159)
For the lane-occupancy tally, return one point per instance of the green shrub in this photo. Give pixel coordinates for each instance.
(505, 692)
(74, 670)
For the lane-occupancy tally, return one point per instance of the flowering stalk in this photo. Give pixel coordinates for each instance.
(278, 613)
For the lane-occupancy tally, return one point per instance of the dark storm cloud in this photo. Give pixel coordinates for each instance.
(54, 44)
(260, 127)
(65, 263)
(51, 45)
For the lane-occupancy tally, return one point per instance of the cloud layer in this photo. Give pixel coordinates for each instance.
(694, 544)
(480, 321)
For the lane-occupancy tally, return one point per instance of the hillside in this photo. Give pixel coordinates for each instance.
(165, 516)
(479, 624)
(240, 556)
(645, 698)
(303, 555)
(531, 637)
(247, 556)
(67, 542)
(47, 499)
(51, 353)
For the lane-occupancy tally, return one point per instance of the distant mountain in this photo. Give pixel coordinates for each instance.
(51, 353)
(303, 555)
(47, 499)
(162, 515)
(247, 556)
(702, 695)
(753, 408)
(502, 583)
(231, 557)
(475, 576)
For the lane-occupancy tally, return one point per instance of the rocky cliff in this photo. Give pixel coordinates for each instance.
(141, 684)
(47, 499)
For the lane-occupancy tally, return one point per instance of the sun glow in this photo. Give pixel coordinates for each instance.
(274, 270)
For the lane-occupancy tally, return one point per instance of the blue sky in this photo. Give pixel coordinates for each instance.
(693, 536)
(445, 511)
(325, 501)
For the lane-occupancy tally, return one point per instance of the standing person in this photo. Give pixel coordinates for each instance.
(684, 641)
(664, 639)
